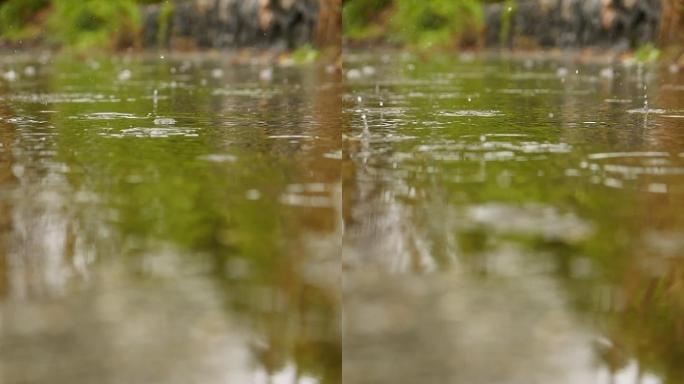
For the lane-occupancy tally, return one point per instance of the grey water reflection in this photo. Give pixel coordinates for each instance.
(168, 220)
(512, 220)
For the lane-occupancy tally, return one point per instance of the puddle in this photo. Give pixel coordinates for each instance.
(517, 230)
(145, 238)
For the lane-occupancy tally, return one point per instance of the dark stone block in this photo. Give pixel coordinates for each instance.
(619, 24)
(278, 24)
(150, 18)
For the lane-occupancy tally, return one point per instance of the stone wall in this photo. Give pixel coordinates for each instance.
(275, 24)
(617, 24)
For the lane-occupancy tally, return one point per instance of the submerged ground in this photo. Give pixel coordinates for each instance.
(512, 221)
(168, 220)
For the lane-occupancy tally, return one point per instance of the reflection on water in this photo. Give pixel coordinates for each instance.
(512, 221)
(160, 224)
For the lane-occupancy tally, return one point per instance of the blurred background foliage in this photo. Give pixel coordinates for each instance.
(414, 22)
(117, 24)
(106, 25)
(80, 24)
(476, 23)
(84, 24)
(88, 23)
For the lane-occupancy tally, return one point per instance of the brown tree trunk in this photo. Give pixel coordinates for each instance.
(672, 23)
(329, 28)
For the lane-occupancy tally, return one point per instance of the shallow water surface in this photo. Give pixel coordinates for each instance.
(181, 219)
(512, 221)
(168, 220)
